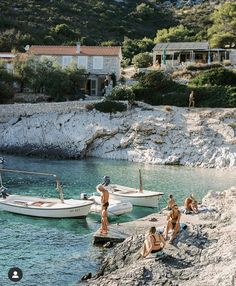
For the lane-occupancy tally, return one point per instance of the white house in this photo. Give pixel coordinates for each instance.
(98, 61)
(7, 58)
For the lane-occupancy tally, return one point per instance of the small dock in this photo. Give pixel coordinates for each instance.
(115, 234)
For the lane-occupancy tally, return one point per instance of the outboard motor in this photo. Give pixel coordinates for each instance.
(106, 180)
(4, 192)
(84, 196)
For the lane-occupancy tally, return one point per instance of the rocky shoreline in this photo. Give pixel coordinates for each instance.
(201, 137)
(202, 254)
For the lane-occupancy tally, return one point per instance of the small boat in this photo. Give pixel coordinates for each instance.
(137, 197)
(42, 207)
(115, 207)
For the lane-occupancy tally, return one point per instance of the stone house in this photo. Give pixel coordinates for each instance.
(99, 62)
(7, 58)
(186, 53)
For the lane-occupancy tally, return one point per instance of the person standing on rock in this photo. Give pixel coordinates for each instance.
(173, 223)
(153, 243)
(105, 203)
(104, 220)
(104, 194)
(191, 99)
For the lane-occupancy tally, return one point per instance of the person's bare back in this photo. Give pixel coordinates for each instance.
(104, 194)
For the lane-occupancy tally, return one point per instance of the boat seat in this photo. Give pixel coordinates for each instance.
(21, 203)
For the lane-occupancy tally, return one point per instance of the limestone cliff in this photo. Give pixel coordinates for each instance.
(157, 135)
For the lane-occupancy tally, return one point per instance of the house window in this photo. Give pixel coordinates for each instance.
(66, 60)
(97, 63)
(83, 62)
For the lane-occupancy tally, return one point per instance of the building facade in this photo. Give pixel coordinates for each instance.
(7, 59)
(186, 53)
(99, 62)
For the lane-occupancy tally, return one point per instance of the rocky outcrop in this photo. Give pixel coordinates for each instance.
(156, 135)
(203, 254)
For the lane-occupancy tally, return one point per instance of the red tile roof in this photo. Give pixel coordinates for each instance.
(7, 56)
(71, 50)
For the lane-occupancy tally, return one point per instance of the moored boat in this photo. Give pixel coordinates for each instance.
(42, 207)
(45, 207)
(115, 207)
(134, 196)
(137, 197)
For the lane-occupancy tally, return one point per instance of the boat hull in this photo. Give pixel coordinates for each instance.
(68, 209)
(145, 199)
(115, 207)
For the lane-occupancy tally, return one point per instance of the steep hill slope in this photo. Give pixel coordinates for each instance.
(64, 22)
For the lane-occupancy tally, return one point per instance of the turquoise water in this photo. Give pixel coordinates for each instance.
(59, 251)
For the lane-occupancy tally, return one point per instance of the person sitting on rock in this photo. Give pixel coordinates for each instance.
(154, 242)
(171, 202)
(190, 205)
(173, 223)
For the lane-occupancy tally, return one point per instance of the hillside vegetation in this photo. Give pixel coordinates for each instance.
(64, 22)
(108, 22)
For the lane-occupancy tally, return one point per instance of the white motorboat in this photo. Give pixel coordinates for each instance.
(45, 207)
(137, 197)
(115, 207)
(42, 207)
(134, 196)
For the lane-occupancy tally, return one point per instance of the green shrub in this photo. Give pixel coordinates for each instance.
(157, 89)
(142, 60)
(157, 80)
(212, 96)
(109, 106)
(147, 95)
(122, 92)
(199, 67)
(176, 98)
(6, 93)
(231, 96)
(6, 85)
(218, 76)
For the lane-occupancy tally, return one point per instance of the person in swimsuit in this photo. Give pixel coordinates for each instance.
(104, 194)
(173, 220)
(105, 204)
(154, 242)
(171, 202)
(104, 220)
(190, 204)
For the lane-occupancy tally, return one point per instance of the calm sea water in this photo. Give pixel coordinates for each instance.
(59, 251)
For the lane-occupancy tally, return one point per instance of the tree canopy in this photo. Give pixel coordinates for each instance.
(173, 34)
(223, 31)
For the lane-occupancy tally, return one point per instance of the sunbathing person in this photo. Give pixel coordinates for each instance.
(171, 202)
(190, 204)
(154, 242)
(173, 224)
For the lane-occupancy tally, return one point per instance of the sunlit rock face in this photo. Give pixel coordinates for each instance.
(156, 135)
